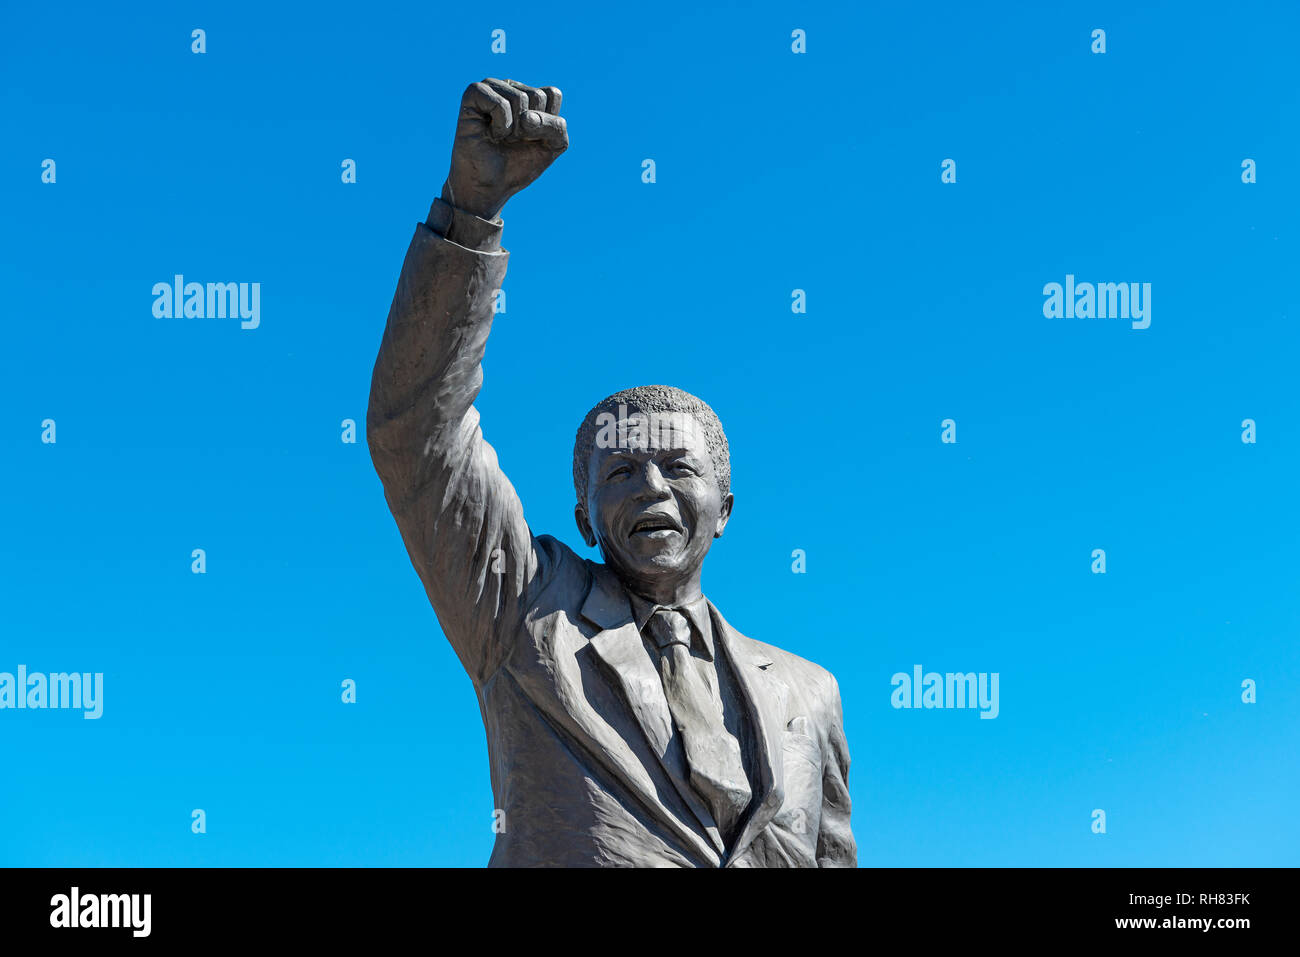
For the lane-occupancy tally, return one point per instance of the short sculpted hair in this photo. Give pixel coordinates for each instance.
(652, 399)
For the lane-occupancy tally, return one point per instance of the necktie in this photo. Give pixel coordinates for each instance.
(712, 753)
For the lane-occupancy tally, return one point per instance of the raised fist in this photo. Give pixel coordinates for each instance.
(507, 134)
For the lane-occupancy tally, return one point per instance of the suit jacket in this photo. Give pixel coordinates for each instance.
(580, 740)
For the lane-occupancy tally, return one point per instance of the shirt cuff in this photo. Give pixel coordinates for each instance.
(464, 229)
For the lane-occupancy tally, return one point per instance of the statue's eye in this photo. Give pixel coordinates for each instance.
(618, 471)
(684, 468)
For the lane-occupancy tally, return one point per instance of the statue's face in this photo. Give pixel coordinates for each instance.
(653, 503)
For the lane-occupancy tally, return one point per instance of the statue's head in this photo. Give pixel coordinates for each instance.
(653, 478)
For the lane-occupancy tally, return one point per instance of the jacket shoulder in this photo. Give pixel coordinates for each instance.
(788, 663)
(557, 551)
(565, 578)
(815, 684)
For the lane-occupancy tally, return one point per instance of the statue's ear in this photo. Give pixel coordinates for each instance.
(724, 516)
(584, 524)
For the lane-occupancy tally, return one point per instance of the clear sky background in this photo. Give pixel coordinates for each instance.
(775, 171)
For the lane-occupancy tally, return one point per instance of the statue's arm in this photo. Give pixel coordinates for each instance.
(835, 844)
(460, 518)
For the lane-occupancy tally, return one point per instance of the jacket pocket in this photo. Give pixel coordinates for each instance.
(800, 744)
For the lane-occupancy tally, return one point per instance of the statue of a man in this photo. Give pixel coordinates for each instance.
(628, 724)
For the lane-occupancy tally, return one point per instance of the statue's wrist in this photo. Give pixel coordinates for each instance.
(464, 228)
(469, 202)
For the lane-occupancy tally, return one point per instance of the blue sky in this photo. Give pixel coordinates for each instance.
(775, 171)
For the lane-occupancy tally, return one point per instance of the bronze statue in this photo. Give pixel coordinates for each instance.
(628, 724)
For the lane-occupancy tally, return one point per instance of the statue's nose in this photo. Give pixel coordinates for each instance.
(653, 481)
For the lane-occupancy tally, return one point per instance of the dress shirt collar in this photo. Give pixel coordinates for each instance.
(696, 610)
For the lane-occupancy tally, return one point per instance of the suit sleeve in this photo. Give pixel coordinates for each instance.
(460, 519)
(835, 844)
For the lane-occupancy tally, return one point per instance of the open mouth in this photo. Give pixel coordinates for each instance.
(655, 526)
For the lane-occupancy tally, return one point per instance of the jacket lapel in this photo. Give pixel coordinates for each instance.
(552, 672)
(619, 646)
(765, 696)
